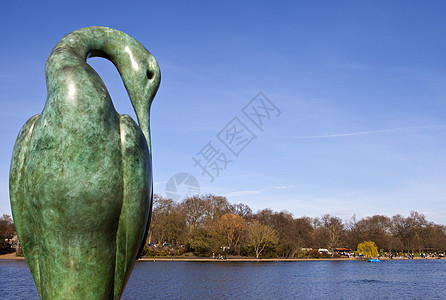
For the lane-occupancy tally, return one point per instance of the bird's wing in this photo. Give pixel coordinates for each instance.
(20, 202)
(136, 204)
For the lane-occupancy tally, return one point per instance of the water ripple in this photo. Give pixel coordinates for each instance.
(420, 279)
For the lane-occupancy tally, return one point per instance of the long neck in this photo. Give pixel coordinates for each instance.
(77, 46)
(66, 65)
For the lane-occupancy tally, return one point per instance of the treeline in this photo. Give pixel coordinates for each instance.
(210, 224)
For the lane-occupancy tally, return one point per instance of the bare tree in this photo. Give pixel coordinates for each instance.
(265, 216)
(409, 230)
(376, 228)
(434, 238)
(417, 222)
(334, 228)
(260, 236)
(303, 234)
(233, 228)
(194, 209)
(242, 210)
(7, 231)
(215, 207)
(168, 222)
(7, 228)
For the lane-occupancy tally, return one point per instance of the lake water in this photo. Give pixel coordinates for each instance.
(404, 279)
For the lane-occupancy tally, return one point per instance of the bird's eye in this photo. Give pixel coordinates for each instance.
(149, 74)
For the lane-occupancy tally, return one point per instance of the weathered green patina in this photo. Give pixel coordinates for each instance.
(81, 174)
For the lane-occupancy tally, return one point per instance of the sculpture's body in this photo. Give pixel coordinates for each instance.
(81, 174)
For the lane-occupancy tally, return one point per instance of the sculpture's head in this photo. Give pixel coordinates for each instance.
(141, 76)
(138, 68)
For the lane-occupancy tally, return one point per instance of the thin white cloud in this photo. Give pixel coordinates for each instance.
(242, 193)
(285, 187)
(378, 131)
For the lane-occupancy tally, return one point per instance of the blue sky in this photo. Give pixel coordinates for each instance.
(359, 85)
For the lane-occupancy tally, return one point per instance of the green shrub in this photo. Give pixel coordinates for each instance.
(247, 251)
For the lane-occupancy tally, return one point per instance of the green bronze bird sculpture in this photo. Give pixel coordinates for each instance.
(81, 174)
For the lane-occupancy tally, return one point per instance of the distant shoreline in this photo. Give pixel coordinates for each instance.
(12, 256)
(155, 259)
(237, 259)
